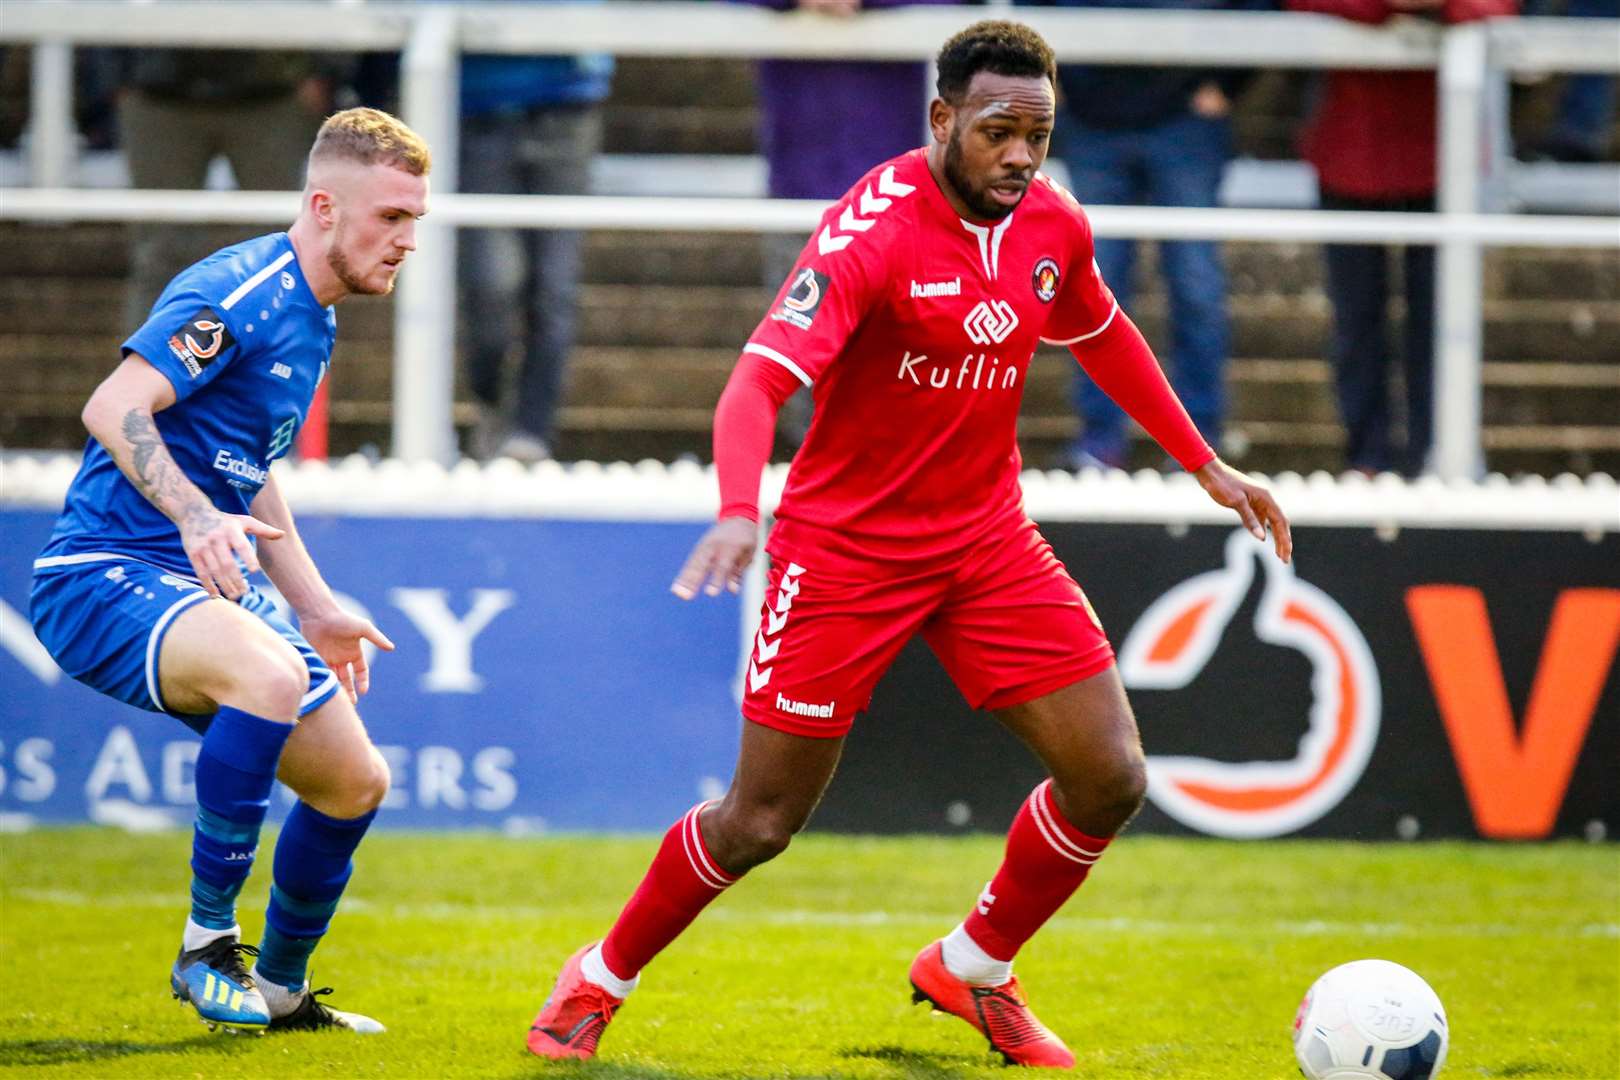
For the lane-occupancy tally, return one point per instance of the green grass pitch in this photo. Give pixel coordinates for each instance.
(1180, 958)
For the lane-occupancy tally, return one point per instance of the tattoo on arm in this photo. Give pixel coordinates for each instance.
(156, 475)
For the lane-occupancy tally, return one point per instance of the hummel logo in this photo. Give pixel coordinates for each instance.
(990, 321)
(924, 289)
(986, 898)
(804, 708)
(871, 204)
(775, 622)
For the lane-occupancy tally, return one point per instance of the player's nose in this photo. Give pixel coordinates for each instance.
(1019, 156)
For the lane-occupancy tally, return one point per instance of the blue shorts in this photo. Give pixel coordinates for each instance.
(102, 617)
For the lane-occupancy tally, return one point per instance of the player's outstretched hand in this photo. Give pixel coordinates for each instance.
(719, 559)
(337, 635)
(1253, 502)
(217, 545)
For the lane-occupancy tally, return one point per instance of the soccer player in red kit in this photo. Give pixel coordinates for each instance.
(913, 314)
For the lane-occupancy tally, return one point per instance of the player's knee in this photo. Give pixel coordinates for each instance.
(274, 682)
(362, 787)
(746, 839)
(1122, 786)
(1100, 798)
(764, 838)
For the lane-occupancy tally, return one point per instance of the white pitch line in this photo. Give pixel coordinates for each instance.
(444, 910)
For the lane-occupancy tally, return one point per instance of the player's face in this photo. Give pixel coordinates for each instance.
(375, 227)
(995, 139)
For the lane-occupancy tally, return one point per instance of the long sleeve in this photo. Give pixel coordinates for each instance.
(1120, 361)
(744, 426)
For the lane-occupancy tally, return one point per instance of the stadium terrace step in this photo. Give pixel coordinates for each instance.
(662, 80)
(693, 316)
(671, 258)
(100, 250)
(1551, 273)
(663, 315)
(679, 129)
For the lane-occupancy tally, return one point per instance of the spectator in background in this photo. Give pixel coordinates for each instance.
(1155, 137)
(1372, 139)
(180, 108)
(1585, 117)
(530, 125)
(876, 105)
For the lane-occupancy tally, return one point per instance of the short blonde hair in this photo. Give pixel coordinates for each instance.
(371, 137)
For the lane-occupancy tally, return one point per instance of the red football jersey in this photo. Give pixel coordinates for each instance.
(915, 328)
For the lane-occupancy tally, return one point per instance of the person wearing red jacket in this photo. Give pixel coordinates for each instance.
(1373, 139)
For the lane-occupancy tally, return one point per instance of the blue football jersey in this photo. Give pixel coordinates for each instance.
(245, 343)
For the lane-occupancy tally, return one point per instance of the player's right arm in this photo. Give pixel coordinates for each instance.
(120, 415)
(832, 287)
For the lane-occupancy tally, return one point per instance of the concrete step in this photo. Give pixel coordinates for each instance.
(679, 129)
(1553, 272)
(660, 80)
(67, 366)
(100, 250)
(1262, 325)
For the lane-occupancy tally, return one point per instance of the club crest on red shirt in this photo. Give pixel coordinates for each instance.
(1045, 280)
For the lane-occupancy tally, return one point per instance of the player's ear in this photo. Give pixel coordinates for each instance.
(323, 207)
(941, 115)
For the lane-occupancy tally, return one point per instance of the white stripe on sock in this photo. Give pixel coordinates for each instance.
(692, 840)
(1045, 820)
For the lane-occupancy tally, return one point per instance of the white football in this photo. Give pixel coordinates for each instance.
(1370, 1020)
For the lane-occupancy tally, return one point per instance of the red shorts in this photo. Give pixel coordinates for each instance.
(1005, 619)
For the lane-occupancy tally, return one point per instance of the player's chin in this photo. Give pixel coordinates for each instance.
(995, 203)
(382, 282)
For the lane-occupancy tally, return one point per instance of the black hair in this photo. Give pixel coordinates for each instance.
(996, 46)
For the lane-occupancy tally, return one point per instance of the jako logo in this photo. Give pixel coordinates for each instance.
(1174, 639)
(990, 322)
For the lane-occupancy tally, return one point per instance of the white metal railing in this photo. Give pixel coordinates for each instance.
(1472, 62)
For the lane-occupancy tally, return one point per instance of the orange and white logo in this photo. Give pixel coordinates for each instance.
(1175, 638)
(216, 338)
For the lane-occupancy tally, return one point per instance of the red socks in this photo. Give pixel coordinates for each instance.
(1046, 860)
(679, 884)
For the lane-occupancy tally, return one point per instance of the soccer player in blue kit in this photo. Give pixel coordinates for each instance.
(142, 591)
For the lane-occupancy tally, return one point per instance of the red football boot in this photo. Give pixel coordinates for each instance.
(999, 1013)
(573, 1018)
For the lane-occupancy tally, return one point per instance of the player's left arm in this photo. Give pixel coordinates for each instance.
(334, 633)
(1116, 356)
(1121, 362)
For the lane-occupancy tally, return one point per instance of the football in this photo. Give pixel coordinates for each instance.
(1370, 1020)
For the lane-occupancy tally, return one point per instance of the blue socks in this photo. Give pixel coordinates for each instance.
(236, 769)
(312, 865)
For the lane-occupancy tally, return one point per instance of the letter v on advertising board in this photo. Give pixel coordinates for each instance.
(1515, 780)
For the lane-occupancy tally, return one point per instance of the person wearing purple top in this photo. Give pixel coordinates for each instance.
(877, 105)
(875, 101)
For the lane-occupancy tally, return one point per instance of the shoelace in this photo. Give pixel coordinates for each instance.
(605, 1002)
(322, 1012)
(225, 957)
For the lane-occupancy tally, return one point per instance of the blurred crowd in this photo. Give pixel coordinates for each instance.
(1127, 135)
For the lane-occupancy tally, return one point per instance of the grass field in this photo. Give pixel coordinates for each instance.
(1178, 959)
